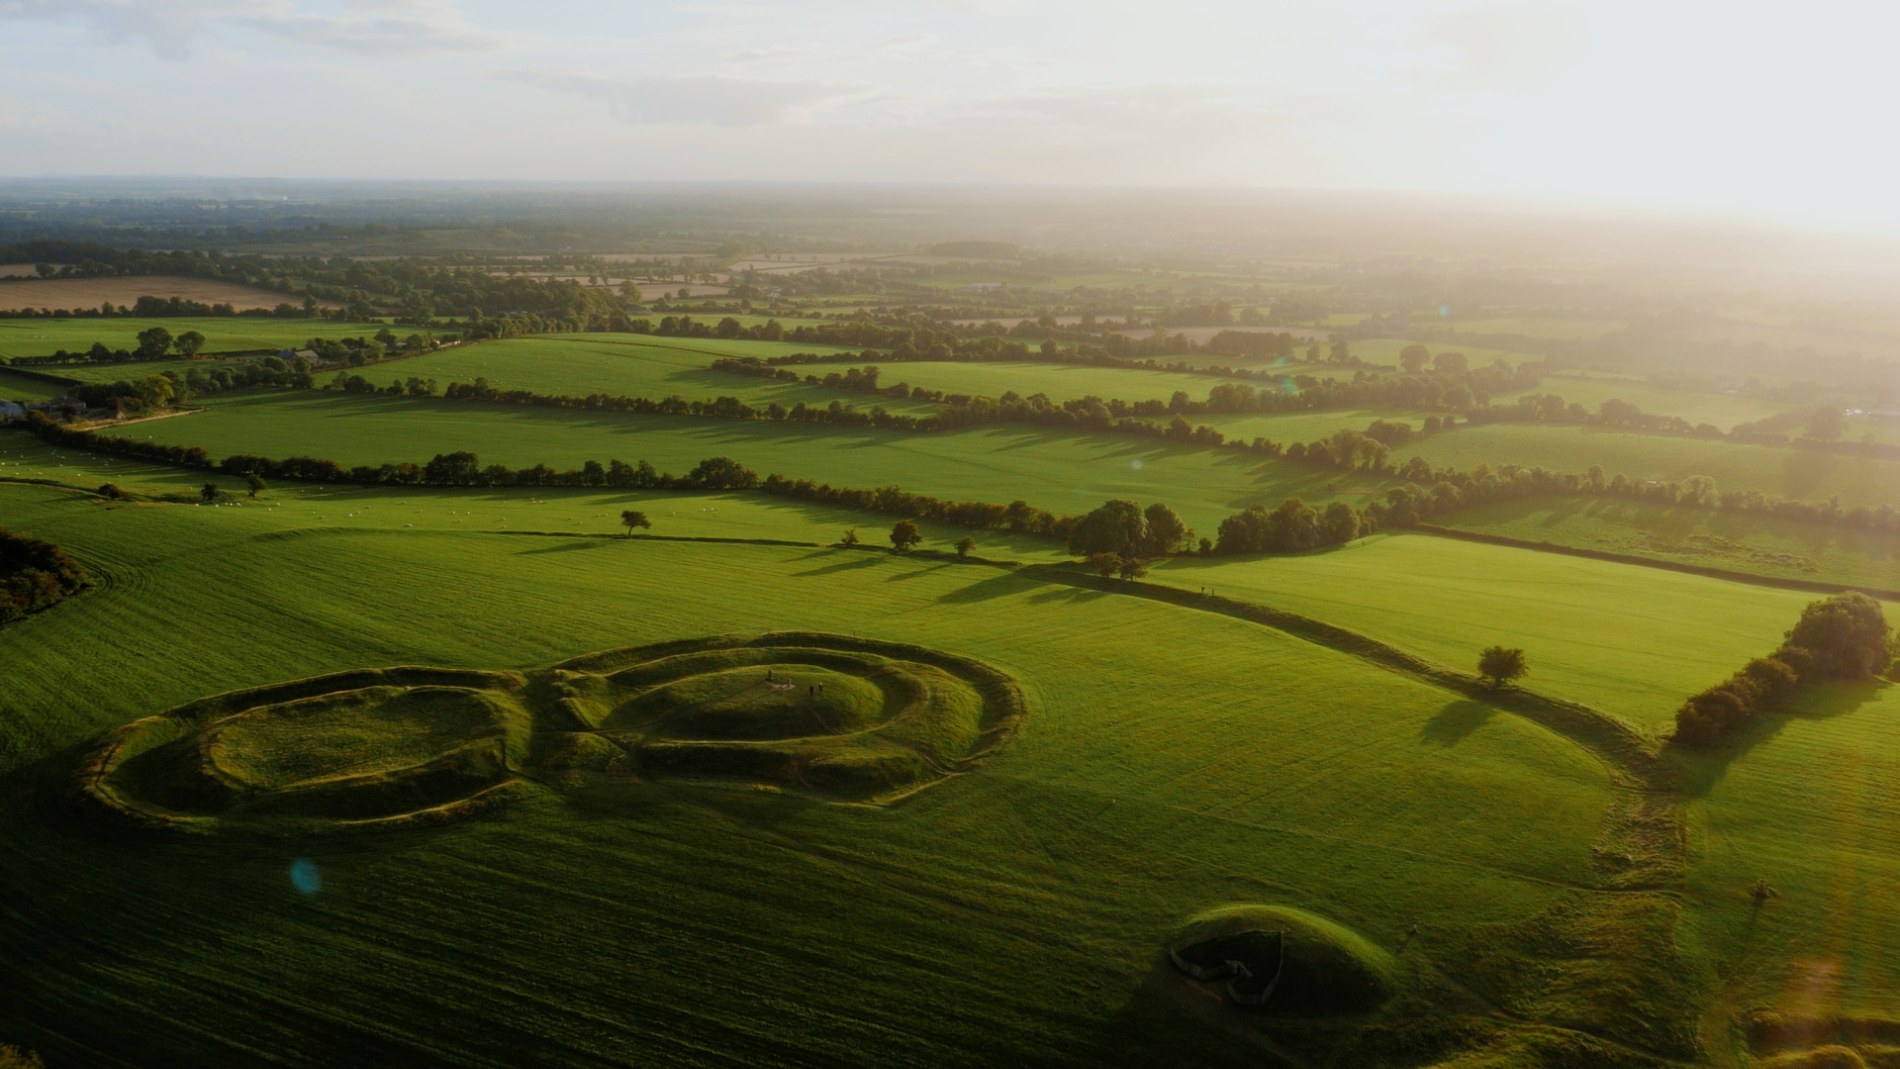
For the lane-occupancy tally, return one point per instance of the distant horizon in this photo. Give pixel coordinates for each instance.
(1616, 103)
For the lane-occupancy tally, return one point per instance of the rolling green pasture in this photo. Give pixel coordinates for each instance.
(568, 511)
(1060, 472)
(135, 370)
(1763, 545)
(1567, 328)
(630, 365)
(43, 337)
(1629, 640)
(1778, 472)
(1173, 760)
(1306, 426)
(23, 388)
(1806, 802)
(1722, 410)
(1386, 351)
(1061, 382)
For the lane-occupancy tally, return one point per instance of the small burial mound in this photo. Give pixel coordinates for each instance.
(1284, 960)
(842, 719)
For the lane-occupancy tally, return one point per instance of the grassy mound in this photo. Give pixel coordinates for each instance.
(744, 703)
(362, 747)
(1294, 962)
(841, 718)
(822, 715)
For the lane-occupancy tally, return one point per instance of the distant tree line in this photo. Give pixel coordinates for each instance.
(34, 575)
(1844, 637)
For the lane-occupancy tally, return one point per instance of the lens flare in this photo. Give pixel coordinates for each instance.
(305, 876)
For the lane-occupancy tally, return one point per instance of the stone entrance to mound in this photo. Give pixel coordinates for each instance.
(825, 716)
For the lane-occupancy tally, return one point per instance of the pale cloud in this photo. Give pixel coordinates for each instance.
(1496, 49)
(379, 27)
(697, 100)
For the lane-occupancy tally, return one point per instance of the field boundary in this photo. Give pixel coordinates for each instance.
(1811, 586)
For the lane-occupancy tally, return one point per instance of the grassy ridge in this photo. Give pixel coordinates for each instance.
(1032, 895)
(1632, 641)
(1059, 472)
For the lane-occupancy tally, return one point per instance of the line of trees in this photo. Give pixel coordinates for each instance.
(1841, 637)
(34, 575)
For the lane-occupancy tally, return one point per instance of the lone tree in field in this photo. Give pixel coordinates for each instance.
(850, 537)
(209, 491)
(964, 546)
(905, 535)
(632, 518)
(188, 343)
(257, 484)
(1499, 666)
(1106, 563)
(1134, 568)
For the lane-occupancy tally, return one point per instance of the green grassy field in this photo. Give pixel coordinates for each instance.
(1590, 391)
(1158, 774)
(1763, 545)
(1805, 802)
(1802, 474)
(1631, 641)
(293, 506)
(631, 365)
(1061, 382)
(22, 388)
(43, 337)
(1561, 327)
(1061, 473)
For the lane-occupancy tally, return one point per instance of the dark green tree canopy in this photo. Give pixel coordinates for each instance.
(1117, 527)
(1847, 636)
(1499, 665)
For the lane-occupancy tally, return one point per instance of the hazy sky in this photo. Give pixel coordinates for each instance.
(1735, 107)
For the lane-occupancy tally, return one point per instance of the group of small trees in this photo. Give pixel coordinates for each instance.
(1840, 637)
(1126, 530)
(34, 575)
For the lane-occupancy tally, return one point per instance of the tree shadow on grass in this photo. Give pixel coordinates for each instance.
(565, 547)
(856, 561)
(996, 586)
(1701, 770)
(1068, 593)
(1455, 721)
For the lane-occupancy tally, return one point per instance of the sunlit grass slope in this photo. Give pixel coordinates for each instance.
(1805, 802)
(1629, 640)
(294, 506)
(1059, 472)
(1763, 545)
(1172, 760)
(1803, 474)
